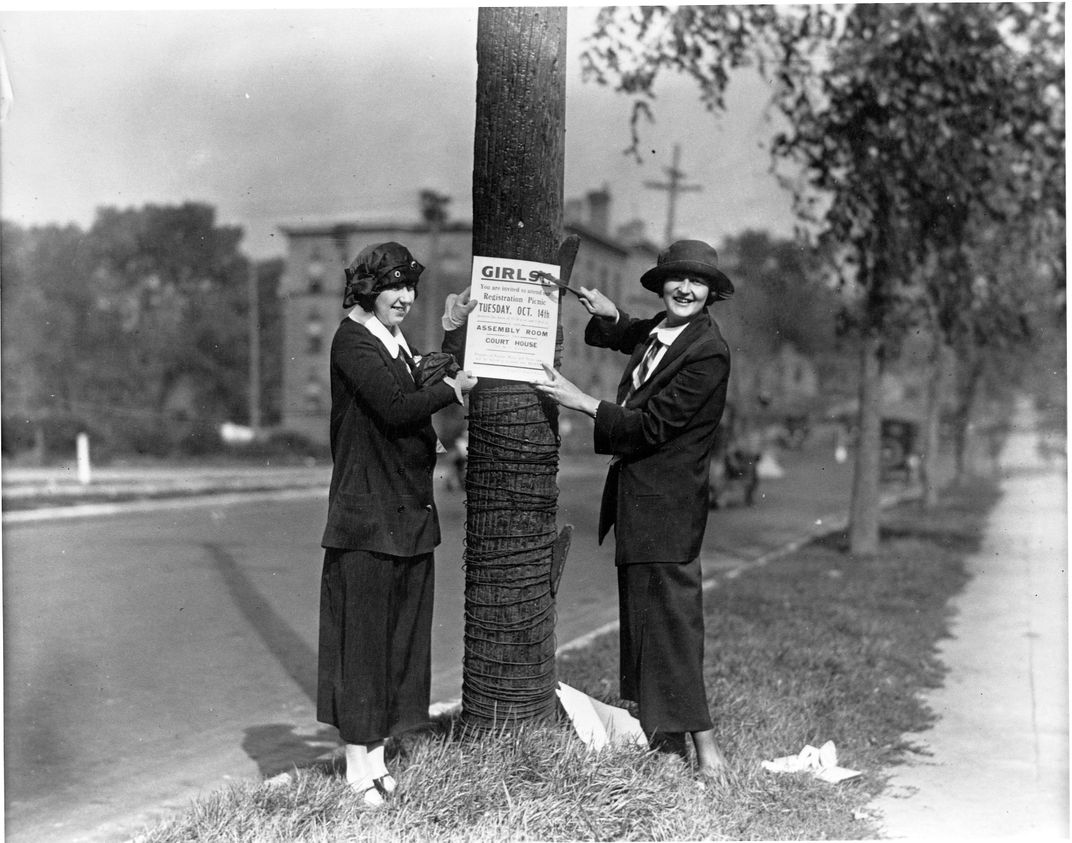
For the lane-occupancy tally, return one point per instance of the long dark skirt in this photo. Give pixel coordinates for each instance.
(662, 645)
(375, 665)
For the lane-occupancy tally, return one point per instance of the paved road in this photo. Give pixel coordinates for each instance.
(156, 655)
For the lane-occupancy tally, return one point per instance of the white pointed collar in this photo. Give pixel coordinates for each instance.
(666, 335)
(392, 340)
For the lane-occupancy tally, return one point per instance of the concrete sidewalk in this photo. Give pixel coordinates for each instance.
(995, 765)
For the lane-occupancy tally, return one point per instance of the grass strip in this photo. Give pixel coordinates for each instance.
(814, 646)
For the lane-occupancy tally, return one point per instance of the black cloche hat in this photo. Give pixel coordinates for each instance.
(378, 267)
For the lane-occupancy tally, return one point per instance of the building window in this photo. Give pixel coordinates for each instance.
(314, 273)
(314, 332)
(314, 395)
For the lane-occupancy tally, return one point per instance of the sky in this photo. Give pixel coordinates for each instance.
(283, 116)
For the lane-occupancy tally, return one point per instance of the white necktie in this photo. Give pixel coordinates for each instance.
(647, 362)
(410, 364)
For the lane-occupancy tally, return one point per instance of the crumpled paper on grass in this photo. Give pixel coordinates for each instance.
(598, 724)
(821, 763)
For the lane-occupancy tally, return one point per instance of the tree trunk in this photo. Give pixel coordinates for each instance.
(864, 507)
(511, 489)
(971, 375)
(932, 424)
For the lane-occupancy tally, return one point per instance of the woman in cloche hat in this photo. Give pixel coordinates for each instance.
(659, 431)
(374, 669)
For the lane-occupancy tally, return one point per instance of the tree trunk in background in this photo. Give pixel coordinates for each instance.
(510, 485)
(970, 377)
(932, 423)
(864, 507)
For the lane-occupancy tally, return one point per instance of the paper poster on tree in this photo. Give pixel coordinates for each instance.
(511, 334)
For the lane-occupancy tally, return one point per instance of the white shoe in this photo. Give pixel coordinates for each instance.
(370, 796)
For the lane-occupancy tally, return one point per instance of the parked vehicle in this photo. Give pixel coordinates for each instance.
(794, 431)
(733, 475)
(900, 457)
(899, 444)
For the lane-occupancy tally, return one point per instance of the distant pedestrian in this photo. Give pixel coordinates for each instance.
(382, 526)
(660, 431)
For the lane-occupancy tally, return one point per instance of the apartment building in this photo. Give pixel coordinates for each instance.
(312, 284)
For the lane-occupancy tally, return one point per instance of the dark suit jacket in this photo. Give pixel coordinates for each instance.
(383, 449)
(656, 494)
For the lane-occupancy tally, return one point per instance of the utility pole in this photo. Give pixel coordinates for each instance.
(673, 187)
(434, 214)
(512, 547)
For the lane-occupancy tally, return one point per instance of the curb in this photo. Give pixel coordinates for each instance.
(176, 498)
(91, 510)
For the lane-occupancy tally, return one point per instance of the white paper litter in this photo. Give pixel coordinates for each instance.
(598, 724)
(821, 763)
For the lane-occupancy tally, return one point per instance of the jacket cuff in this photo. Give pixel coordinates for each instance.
(607, 415)
(453, 384)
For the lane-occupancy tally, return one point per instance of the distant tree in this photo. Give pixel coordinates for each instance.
(896, 115)
(171, 298)
(996, 166)
(1008, 338)
(44, 297)
(633, 46)
(920, 111)
(781, 297)
(103, 328)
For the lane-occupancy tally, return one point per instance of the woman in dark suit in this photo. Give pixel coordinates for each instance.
(660, 431)
(374, 670)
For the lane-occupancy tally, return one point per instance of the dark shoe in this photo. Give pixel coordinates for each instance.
(386, 784)
(670, 743)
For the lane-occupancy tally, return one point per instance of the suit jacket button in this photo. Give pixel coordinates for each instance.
(428, 506)
(402, 508)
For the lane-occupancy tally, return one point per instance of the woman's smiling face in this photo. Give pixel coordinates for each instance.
(394, 303)
(684, 297)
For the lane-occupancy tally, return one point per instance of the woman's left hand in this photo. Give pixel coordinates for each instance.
(565, 392)
(457, 308)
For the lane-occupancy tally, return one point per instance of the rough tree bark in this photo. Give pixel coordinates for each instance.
(512, 543)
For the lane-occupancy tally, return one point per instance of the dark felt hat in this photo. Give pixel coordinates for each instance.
(378, 267)
(693, 258)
